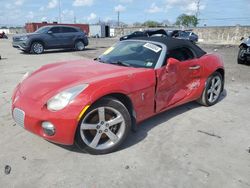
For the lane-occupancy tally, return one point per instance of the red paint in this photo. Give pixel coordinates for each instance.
(151, 91)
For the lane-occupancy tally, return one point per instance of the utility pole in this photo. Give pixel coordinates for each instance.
(60, 16)
(118, 14)
(198, 4)
(74, 19)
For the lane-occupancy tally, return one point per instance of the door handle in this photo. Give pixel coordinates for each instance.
(195, 67)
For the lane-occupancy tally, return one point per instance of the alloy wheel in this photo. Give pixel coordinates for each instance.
(102, 128)
(38, 48)
(214, 90)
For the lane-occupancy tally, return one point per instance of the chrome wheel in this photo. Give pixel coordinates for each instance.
(214, 90)
(37, 48)
(80, 46)
(102, 128)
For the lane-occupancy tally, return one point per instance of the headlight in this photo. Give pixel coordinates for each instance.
(23, 38)
(61, 100)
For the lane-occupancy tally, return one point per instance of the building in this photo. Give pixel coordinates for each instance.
(99, 30)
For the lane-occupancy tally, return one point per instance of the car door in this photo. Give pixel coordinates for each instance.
(68, 35)
(53, 37)
(177, 81)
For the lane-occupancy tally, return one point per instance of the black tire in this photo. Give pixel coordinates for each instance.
(241, 60)
(107, 103)
(37, 48)
(79, 45)
(205, 97)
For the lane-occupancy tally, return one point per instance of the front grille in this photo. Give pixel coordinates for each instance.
(19, 116)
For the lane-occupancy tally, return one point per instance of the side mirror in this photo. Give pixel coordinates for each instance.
(172, 61)
(50, 32)
(172, 64)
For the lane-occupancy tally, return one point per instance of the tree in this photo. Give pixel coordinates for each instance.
(137, 24)
(187, 21)
(151, 24)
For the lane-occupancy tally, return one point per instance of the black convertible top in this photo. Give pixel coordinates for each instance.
(173, 44)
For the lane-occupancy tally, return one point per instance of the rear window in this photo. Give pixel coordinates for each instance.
(68, 30)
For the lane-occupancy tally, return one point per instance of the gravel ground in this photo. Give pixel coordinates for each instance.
(189, 146)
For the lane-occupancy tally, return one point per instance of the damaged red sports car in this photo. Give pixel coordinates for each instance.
(95, 104)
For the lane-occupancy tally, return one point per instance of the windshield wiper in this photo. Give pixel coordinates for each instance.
(121, 63)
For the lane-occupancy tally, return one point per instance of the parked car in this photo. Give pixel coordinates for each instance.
(3, 35)
(95, 104)
(51, 37)
(146, 33)
(244, 51)
(184, 34)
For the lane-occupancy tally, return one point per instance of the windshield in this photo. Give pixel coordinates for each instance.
(42, 30)
(132, 53)
(184, 34)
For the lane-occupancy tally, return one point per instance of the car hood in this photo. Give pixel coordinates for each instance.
(247, 41)
(53, 78)
(23, 35)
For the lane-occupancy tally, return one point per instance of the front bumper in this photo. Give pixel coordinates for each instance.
(247, 54)
(22, 45)
(30, 114)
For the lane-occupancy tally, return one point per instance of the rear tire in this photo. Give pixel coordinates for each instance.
(79, 45)
(37, 48)
(104, 127)
(212, 91)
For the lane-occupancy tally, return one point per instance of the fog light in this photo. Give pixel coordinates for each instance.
(48, 128)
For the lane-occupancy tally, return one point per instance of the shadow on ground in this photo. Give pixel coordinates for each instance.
(144, 127)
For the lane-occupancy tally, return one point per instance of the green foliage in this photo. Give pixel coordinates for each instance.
(151, 24)
(187, 21)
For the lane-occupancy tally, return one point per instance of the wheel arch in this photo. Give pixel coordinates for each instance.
(126, 101)
(243, 45)
(222, 72)
(79, 39)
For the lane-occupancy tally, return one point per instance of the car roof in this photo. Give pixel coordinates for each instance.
(173, 43)
(69, 26)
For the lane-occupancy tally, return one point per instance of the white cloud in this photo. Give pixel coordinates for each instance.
(19, 2)
(154, 9)
(120, 8)
(42, 8)
(44, 19)
(92, 16)
(79, 3)
(67, 15)
(52, 4)
(30, 15)
(8, 6)
(187, 6)
(126, 1)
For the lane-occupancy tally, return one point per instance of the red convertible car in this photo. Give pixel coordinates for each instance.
(95, 104)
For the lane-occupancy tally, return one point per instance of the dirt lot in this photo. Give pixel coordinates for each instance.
(169, 150)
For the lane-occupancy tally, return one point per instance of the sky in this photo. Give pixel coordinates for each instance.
(212, 12)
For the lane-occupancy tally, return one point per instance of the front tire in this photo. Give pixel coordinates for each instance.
(241, 59)
(37, 48)
(212, 91)
(104, 127)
